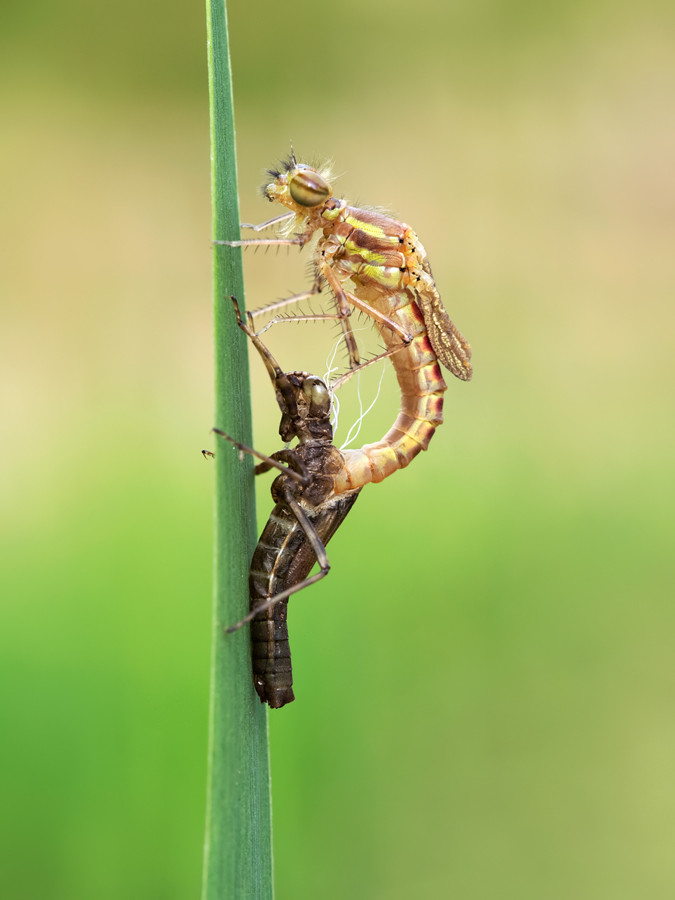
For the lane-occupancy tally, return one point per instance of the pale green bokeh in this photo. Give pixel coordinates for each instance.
(485, 681)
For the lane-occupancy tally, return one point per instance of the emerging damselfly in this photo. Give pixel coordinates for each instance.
(374, 263)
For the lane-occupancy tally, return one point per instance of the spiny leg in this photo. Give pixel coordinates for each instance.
(268, 224)
(344, 296)
(296, 298)
(315, 317)
(321, 557)
(348, 334)
(342, 317)
(272, 366)
(279, 304)
(262, 242)
(350, 339)
(343, 379)
(282, 385)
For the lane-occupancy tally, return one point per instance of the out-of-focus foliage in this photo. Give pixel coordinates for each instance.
(485, 680)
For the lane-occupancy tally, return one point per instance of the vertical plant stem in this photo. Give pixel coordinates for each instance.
(238, 845)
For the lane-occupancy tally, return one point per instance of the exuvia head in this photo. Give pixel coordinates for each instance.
(305, 404)
(297, 186)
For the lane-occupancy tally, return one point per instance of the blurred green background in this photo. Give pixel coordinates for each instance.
(485, 683)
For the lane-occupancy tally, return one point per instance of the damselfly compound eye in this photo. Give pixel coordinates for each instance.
(309, 188)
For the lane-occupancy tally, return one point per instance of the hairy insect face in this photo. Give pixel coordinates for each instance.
(277, 191)
(299, 188)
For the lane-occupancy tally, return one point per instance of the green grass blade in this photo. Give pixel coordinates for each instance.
(238, 846)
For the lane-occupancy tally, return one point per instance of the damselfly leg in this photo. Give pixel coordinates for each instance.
(344, 310)
(262, 242)
(268, 224)
(300, 318)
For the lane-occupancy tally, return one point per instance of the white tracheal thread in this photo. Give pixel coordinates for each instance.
(335, 403)
(351, 438)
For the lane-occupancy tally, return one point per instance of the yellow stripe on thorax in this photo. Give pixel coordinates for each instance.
(368, 256)
(375, 231)
(386, 276)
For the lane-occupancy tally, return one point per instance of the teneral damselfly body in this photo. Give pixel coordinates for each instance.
(310, 505)
(378, 265)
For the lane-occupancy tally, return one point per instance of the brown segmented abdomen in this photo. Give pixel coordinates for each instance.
(284, 557)
(272, 674)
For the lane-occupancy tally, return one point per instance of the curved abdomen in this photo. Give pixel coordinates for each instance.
(422, 388)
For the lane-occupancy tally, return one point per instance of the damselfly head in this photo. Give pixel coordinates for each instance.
(297, 186)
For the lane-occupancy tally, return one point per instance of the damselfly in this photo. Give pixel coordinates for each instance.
(376, 264)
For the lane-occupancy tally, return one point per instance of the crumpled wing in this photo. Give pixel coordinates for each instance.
(450, 345)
